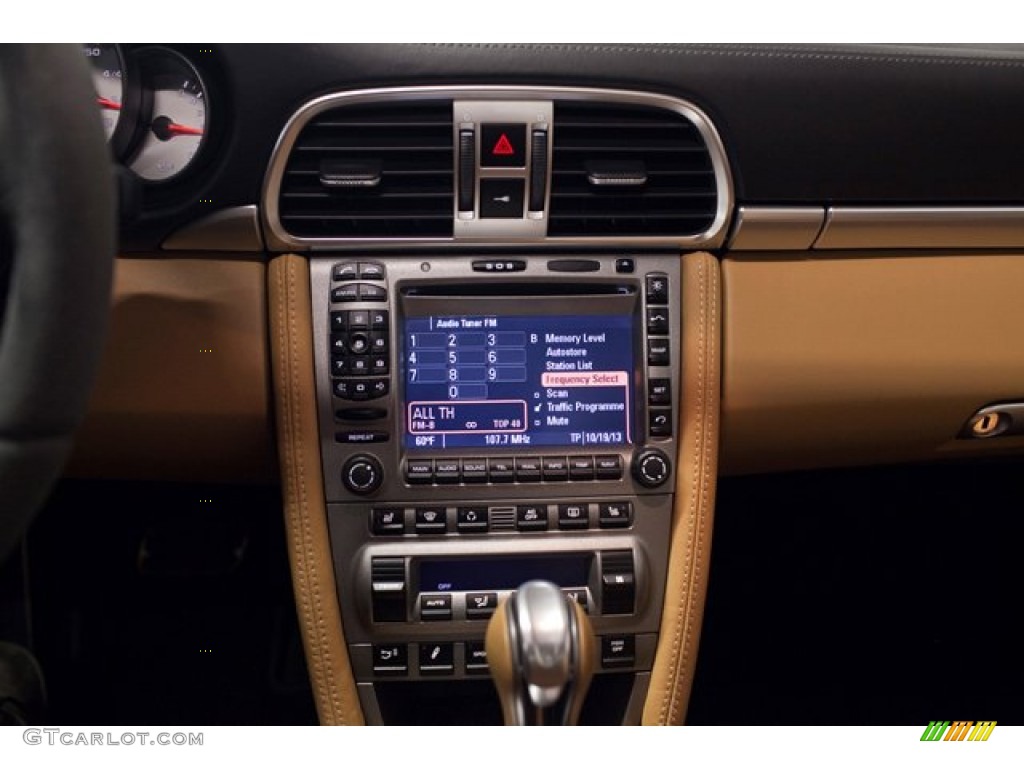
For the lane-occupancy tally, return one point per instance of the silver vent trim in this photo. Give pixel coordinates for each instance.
(278, 239)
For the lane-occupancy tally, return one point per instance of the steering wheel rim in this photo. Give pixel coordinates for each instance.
(57, 202)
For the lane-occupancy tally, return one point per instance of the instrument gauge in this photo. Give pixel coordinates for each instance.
(174, 116)
(107, 65)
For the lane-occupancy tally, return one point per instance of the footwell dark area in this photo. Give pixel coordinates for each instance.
(166, 605)
(883, 596)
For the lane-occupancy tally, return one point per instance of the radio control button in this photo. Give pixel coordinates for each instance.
(431, 520)
(338, 344)
(360, 413)
(379, 364)
(419, 471)
(660, 422)
(345, 293)
(480, 605)
(573, 516)
(581, 467)
(658, 352)
(347, 270)
(657, 321)
(359, 366)
(371, 270)
(528, 469)
(435, 607)
(615, 514)
(656, 288)
(362, 474)
(378, 319)
(532, 517)
(476, 658)
(356, 437)
(377, 388)
(339, 366)
(390, 659)
(501, 470)
(370, 292)
(608, 467)
(474, 470)
(556, 468)
(388, 521)
(446, 470)
(358, 343)
(437, 658)
(471, 520)
(659, 392)
(378, 343)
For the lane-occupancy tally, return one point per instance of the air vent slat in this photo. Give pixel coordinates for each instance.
(409, 143)
(679, 196)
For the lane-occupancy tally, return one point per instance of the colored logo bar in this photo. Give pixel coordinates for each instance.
(959, 730)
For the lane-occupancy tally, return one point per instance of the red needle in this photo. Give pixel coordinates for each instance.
(176, 129)
(107, 103)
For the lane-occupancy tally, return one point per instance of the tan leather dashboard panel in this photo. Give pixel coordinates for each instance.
(183, 390)
(864, 358)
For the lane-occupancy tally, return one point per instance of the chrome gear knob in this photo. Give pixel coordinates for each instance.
(542, 653)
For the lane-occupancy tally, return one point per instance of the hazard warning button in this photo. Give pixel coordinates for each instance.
(503, 145)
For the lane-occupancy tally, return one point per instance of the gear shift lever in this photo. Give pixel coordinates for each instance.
(541, 650)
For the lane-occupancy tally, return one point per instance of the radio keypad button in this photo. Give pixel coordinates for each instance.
(378, 319)
(390, 659)
(480, 605)
(615, 514)
(471, 520)
(556, 468)
(608, 467)
(379, 364)
(359, 366)
(581, 467)
(339, 366)
(573, 516)
(474, 470)
(378, 343)
(339, 344)
(501, 470)
(419, 471)
(431, 520)
(358, 318)
(388, 521)
(437, 658)
(377, 387)
(339, 321)
(528, 469)
(532, 517)
(435, 607)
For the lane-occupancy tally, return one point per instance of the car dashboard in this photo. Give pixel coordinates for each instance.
(492, 313)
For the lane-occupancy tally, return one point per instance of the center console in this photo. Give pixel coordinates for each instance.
(487, 420)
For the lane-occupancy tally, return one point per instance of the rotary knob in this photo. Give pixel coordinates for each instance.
(362, 474)
(651, 467)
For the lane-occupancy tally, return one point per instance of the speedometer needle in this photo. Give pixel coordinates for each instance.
(165, 129)
(107, 103)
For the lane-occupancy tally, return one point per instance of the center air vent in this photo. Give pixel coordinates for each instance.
(372, 170)
(629, 170)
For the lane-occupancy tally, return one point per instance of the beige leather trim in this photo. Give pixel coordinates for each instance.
(686, 586)
(291, 340)
(866, 358)
(183, 392)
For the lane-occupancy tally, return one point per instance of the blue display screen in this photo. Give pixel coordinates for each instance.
(495, 381)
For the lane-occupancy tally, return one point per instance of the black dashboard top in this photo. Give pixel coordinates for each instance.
(811, 125)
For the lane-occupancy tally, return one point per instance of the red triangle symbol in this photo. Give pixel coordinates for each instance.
(503, 147)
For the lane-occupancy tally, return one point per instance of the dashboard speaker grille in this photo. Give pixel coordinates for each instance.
(629, 170)
(372, 170)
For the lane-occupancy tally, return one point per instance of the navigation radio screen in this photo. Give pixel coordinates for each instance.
(492, 381)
